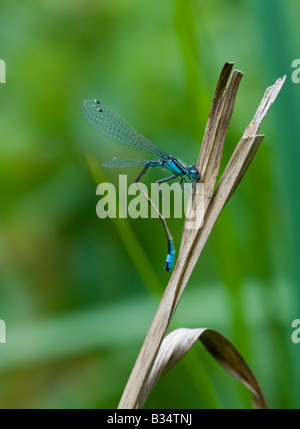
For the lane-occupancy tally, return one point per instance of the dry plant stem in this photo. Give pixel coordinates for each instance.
(193, 240)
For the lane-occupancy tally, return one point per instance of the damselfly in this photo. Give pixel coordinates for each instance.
(110, 125)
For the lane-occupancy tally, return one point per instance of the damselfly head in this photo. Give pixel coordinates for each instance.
(193, 172)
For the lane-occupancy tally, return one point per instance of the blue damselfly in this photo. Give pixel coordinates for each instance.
(110, 125)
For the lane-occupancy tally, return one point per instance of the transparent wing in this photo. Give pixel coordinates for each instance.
(110, 125)
(123, 162)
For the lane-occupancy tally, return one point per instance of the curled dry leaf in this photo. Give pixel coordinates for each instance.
(180, 341)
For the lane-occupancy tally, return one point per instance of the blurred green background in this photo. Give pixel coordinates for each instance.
(78, 293)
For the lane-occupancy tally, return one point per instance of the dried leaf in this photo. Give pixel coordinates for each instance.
(180, 341)
(194, 239)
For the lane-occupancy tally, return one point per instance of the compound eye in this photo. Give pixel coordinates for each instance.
(193, 171)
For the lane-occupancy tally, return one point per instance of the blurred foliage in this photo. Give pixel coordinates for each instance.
(78, 293)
